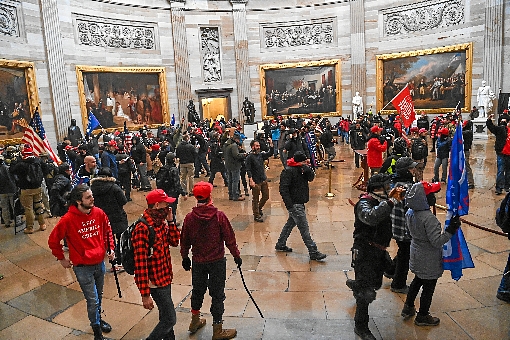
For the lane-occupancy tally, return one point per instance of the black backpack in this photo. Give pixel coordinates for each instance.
(418, 149)
(127, 253)
(34, 174)
(502, 214)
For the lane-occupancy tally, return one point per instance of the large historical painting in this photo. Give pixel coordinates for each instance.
(439, 79)
(118, 95)
(300, 88)
(18, 99)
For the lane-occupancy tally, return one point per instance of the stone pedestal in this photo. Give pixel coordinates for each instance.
(249, 131)
(480, 128)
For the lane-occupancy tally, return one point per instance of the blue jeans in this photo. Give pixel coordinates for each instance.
(297, 216)
(503, 176)
(233, 177)
(444, 163)
(504, 286)
(91, 280)
(275, 147)
(346, 136)
(200, 160)
(162, 296)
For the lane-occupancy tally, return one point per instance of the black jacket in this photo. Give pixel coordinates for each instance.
(296, 144)
(186, 153)
(327, 138)
(467, 135)
(372, 222)
(8, 185)
(110, 197)
(500, 132)
(358, 138)
(58, 194)
(20, 170)
(168, 179)
(255, 166)
(138, 152)
(294, 184)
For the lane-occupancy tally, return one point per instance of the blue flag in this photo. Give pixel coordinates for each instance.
(172, 122)
(93, 123)
(456, 254)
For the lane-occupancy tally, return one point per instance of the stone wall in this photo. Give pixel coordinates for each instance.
(329, 20)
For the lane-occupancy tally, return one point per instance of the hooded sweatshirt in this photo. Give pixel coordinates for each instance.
(427, 234)
(206, 230)
(294, 183)
(86, 234)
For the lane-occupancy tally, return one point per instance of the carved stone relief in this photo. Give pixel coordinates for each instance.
(103, 32)
(9, 20)
(423, 16)
(210, 52)
(295, 34)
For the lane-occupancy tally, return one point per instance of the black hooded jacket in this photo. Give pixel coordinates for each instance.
(111, 199)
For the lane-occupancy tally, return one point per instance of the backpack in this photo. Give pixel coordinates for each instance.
(34, 174)
(127, 253)
(503, 214)
(418, 149)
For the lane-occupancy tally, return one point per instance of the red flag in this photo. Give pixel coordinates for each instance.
(403, 102)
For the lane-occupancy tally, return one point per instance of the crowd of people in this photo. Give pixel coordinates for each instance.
(90, 188)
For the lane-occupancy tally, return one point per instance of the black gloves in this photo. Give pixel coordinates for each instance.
(454, 225)
(186, 263)
(238, 261)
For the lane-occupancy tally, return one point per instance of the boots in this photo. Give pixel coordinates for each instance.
(196, 323)
(98, 334)
(29, 230)
(222, 334)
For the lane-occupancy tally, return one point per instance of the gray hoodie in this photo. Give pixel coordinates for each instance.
(427, 234)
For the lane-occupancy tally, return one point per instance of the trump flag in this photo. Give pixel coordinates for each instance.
(456, 254)
(403, 102)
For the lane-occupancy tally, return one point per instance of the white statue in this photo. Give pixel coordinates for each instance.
(484, 97)
(357, 105)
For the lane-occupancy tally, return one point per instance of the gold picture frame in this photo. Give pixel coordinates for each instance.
(301, 89)
(16, 92)
(139, 96)
(439, 78)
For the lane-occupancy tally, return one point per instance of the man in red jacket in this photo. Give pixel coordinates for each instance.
(89, 236)
(207, 230)
(375, 150)
(152, 238)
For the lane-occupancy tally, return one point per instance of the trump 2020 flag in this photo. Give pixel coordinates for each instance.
(403, 102)
(93, 123)
(456, 254)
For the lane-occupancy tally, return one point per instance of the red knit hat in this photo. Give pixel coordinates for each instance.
(431, 187)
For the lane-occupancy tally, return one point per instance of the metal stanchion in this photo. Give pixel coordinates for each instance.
(330, 194)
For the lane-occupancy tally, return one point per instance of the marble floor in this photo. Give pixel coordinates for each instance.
(300, 299)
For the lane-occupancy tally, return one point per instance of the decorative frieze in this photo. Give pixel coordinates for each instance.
(210, 52)
(300, 33)
(105, 32)
(9, 19)
(424, 16)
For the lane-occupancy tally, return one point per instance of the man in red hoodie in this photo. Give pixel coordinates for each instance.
(375, 150)
(206, 230)
(152, 238)
(89, 236)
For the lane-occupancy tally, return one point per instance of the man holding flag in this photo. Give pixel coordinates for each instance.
(35, 136)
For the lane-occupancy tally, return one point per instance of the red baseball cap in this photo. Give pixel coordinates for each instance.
(158, 195)
(444, 131)
(202, 190)
(431, 187)
(414, 129)
(375, 129)
(155, 147)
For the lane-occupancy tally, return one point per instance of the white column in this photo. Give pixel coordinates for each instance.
(358, 64)
(241, 54)
(493, 49)
(56, 66)
(181, 57)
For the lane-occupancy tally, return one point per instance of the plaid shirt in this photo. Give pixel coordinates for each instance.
(155, 270)
(398, 223)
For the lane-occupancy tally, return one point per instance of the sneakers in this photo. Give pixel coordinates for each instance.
(42, 227)
(503, 296)
(408, 312)
(258, 219)
(364, 333)
(283, 248)
(402, 290)
(29, 230)
(471, 186)
(427, 320)
(238, 199)
(317, 256)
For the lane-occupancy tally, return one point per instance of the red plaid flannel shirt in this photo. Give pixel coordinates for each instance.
(156, 269)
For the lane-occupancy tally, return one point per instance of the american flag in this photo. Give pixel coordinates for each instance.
(127, 140)
(35, 136)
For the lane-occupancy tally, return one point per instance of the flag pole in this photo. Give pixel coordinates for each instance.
(395, 97)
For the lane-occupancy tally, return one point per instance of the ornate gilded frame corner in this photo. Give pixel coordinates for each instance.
(32, 91)
(466, 47)
(331, 62)
(160, 71)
